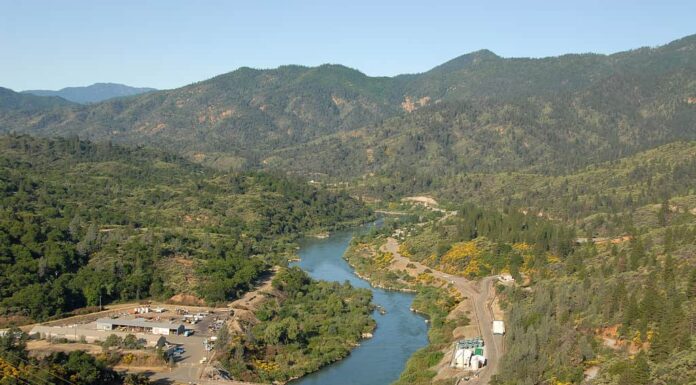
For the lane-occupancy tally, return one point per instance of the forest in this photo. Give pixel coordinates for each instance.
(306, 324)
(478, 242)
(606, 292)
(628, 308)
(85, 224)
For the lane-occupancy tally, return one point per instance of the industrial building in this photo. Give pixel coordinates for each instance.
(140, 325)
(79, 333)
(469, 354)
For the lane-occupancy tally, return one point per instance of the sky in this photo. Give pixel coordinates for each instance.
(170, 43)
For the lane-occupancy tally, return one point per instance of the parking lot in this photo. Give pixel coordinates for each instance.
(188, 333)
(191, 355)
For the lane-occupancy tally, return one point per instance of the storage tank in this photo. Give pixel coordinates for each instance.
(475, 363)
(462, 358)
(480, 360)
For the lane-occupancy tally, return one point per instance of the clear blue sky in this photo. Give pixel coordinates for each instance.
(169, 43)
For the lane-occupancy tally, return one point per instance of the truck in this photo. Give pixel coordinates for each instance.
(498, 327)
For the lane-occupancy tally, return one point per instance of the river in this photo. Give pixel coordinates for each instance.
(399, 333)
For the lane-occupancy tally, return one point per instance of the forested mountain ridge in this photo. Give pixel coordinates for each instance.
(537, 115)
(483, 74)
(13, 102)
(530, 112)
(85, 222)
(94, 93)
(239, 113)
(591, 194)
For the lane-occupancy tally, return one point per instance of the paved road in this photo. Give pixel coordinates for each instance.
(188, 368)
(482, 294)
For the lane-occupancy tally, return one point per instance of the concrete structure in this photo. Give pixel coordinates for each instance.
(140, 325)
(468, 354)
(462, 358)
(498, 327)
(477, 362)
(79, 333)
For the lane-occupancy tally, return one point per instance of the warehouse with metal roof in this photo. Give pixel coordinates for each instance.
(140, 325)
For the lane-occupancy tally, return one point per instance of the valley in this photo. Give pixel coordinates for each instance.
(316, 225)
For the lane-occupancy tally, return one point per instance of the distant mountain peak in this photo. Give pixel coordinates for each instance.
(466, 60)
(94, 93)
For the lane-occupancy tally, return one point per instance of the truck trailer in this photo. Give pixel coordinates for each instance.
(498, 327)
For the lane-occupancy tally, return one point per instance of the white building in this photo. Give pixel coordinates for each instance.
(140, 325)
(468, 354)
(79, 333)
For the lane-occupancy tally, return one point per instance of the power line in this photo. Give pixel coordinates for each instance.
(16, 376)
(42, 369)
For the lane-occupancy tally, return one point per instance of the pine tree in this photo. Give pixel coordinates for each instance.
(668, 243)
(640, 371)
(632, 312)
(637, 253)
(652, 303)
(668, 269)
(663, 214)
(691, 285)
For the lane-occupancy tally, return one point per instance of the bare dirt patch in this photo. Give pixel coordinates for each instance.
(245, 307)
(186, 299)
(424, 200)
(42, 348)
(410, 105)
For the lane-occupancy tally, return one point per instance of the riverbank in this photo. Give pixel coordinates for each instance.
(375, 268)
(469, 316)
(399, 333)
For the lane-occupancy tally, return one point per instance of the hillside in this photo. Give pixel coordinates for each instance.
(83, 223)
(613, 309)
(595, 194)
(539, 115)
(14, 104)
(94, 93)
(241, 113)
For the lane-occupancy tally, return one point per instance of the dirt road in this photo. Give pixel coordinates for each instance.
(481, 293)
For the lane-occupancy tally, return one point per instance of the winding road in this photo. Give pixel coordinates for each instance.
(481, 293)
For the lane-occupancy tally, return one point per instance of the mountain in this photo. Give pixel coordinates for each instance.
(479, 112)
(240, 113)
(94, 93)
(482, 113)
(13, 102)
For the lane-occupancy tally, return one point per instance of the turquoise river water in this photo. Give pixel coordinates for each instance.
(399, 333)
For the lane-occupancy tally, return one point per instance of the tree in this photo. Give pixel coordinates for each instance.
(136, 379)
(637, 253)
(691, 285)
(638, 372)
(291, 280)
(273, 333)
(223, 338)
(13, 346)
(131, 342)
(112, 341)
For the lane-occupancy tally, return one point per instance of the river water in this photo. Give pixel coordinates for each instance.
(399, 333)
